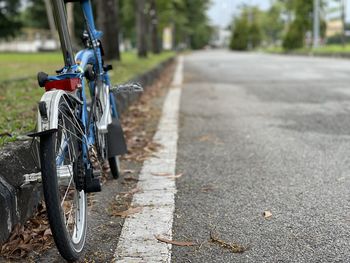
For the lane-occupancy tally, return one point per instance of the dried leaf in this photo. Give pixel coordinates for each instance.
(128, 212)
(128, 171)
(161, 174)
(173, 242)
(48, 232)
(267, 214)
(130, 193)
(205, 138)
(207, 188)
(168, 175)
(235, 248)
(130, 178)
(35, 236)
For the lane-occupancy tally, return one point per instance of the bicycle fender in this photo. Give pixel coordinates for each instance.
(48, 111)
(115, 139)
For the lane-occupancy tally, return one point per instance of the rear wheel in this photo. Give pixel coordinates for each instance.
(114, 164)
(60, 154)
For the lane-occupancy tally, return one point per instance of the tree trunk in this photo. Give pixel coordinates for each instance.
(50, 19)
(107, 21)
(154, 28)
(70, 22)
(141, 25)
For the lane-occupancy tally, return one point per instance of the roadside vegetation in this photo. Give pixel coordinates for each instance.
(287, 27)
(322, 50)
(19, 91)
(141, 24)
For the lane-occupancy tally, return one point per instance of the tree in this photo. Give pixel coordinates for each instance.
(272, 23)
(141, 25)
(107, 21)
(35, 15)
(71, 23)
(127, 18)
(154, 27)
(247, 32)
(198, 23)
(301, 24)
(10, 23)
(240, 34)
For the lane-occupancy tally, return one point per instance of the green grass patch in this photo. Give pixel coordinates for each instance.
(131, 65)
(19, 91)
(326, 49)
(332, 49)
(26, 65)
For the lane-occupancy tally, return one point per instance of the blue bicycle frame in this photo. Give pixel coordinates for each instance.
(74, 67)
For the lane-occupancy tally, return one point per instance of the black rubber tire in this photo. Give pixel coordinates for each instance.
(115, 169)
(69, 250)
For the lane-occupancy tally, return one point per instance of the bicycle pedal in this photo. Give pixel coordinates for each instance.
(127, 88)
(92, 184)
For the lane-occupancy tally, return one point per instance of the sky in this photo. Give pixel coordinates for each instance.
(222, 11)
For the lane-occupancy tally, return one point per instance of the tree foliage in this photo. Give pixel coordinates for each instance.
(187, 18)
(272, 23)
(240, 34)
(247, 29)
(10, 23)
(301, 24)
(35, 15)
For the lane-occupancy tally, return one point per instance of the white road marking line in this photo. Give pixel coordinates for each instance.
(137, 242)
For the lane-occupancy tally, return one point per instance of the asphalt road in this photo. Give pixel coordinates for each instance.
(264, 133)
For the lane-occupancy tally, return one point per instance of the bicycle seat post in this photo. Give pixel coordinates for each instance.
(60, 17)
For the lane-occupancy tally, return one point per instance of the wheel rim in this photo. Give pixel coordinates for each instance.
(72, 201)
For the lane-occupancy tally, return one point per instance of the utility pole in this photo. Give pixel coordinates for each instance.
(343, 8)
(316, 23)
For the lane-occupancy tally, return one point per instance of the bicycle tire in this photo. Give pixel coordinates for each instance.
(69, 245)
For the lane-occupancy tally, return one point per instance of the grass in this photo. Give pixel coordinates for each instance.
(326, 49)
(19, 91)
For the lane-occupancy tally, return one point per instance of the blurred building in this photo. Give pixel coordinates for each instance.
(30, 40)
(334, 27)
(221, 38)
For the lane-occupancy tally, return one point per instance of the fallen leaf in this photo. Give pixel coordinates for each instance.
(267, 214)
(173, 242)
(32, 236)
(235, 248)
(129, 193)
(161, 174)
(168, 175)
(205, 138)
(207, 188)
(130, 178)
(128, 212)
(47, 232)
(128, 171)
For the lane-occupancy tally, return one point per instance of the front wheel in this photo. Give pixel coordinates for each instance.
(60, 154)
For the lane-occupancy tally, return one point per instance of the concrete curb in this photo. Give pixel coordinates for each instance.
(18, 203)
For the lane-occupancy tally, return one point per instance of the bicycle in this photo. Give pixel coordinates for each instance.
(76, 138)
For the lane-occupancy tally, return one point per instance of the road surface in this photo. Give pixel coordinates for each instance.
(262, 133)
(250, 133)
